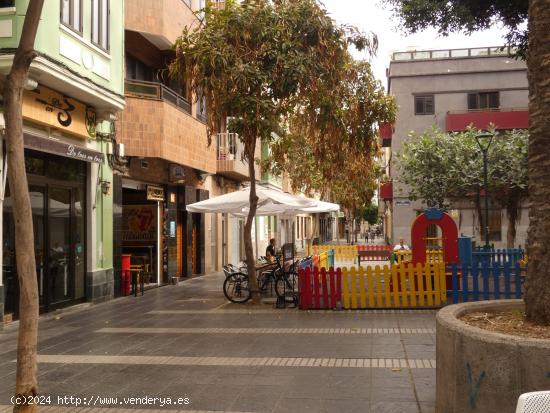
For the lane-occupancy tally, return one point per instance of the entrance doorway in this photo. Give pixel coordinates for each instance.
(59, 234)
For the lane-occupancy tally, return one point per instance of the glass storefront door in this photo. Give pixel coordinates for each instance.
(58, 209)
(59, 224)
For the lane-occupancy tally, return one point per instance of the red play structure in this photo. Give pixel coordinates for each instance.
(448, 228)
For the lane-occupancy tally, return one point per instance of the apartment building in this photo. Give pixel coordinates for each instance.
(167, 162)
(74, 91)
(450, 89)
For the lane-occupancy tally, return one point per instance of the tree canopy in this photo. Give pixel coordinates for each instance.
(338, 161)
(259, 63)
(467, 16)
(440, 168)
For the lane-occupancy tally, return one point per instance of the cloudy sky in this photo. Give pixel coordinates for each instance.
(372, 16)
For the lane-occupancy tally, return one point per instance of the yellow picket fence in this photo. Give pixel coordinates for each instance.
(396, 286)
(342, 253)
(432, 256)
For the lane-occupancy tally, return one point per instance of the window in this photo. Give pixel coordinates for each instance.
(483, 100)
(7, 3)
(71, 14)
(100, 23)
(424, 105)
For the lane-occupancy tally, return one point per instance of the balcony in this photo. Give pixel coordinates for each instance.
(157, 123)
(160, 21)
(386, 133)
(516, 118)
(386, 190)
(229, 157)
(156, 91)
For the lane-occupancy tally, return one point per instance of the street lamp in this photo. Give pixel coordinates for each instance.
(484, 140)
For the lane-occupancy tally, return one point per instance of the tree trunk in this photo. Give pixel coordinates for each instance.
(537, 290)
(250, 148)
(26, 382)
(512, 211)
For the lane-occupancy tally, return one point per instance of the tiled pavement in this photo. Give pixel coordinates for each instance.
(182, 341)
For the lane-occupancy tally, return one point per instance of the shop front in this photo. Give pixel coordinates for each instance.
(141, 232)
(64, 169)
(57, 189)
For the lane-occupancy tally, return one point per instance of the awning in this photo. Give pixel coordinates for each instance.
(60, 148)
(270, 202)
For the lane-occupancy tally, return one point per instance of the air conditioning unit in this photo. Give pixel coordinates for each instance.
(177, 173)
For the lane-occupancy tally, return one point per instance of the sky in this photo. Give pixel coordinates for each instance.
(373, 16)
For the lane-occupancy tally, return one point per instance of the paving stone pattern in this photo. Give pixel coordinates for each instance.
(185, 342)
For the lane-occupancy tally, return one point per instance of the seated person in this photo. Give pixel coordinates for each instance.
(401, 246)
(270, 250)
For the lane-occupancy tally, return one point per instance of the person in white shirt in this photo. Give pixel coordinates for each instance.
(401, 246)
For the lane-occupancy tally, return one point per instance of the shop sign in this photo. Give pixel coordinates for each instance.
(139, 223)
(50, 108)
(155, 193)
(402, 203)
(62, 148)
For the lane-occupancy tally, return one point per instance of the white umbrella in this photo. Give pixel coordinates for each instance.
(322, 206)
(270, 202)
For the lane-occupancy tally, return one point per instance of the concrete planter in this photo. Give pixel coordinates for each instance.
(481, 371)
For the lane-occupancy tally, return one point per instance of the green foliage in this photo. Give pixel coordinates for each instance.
(465, 15)
(256, 60)
(337, 157)
(439, 167)
(369, 213)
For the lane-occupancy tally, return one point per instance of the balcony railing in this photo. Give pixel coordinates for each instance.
(156, 91)
(202, 116)
(453, 53)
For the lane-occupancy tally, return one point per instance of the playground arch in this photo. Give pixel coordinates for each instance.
(448, 229)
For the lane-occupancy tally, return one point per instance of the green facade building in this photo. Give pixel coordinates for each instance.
(75, 89)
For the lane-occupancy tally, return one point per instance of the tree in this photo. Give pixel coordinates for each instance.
(12, 87)
(257, 61)
(537, 292)
(466, 15)
(415, 15)
(369, 213)
(440, 169)
(337, 159)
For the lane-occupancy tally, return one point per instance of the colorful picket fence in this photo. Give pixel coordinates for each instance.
(342, 253)
(497, 256)
(486, 282)
(324, 259)
(432, 256)
(345, 253)
(405, 286)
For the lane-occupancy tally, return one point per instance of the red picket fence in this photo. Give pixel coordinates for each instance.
(319, 288)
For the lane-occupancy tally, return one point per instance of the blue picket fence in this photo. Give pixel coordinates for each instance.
(486, 282)
(497, 256)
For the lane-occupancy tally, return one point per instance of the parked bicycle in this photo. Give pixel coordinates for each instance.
(285, 282)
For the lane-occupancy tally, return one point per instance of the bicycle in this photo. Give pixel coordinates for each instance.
(236, 285)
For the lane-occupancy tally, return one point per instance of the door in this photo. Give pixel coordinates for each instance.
(60, 283)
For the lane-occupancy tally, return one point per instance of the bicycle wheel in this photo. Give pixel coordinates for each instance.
(287, 285)
(236, 288)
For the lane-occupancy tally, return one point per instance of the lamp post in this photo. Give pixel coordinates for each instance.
(484, 140)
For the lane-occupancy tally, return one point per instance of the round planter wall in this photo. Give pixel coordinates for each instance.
(482, 371)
